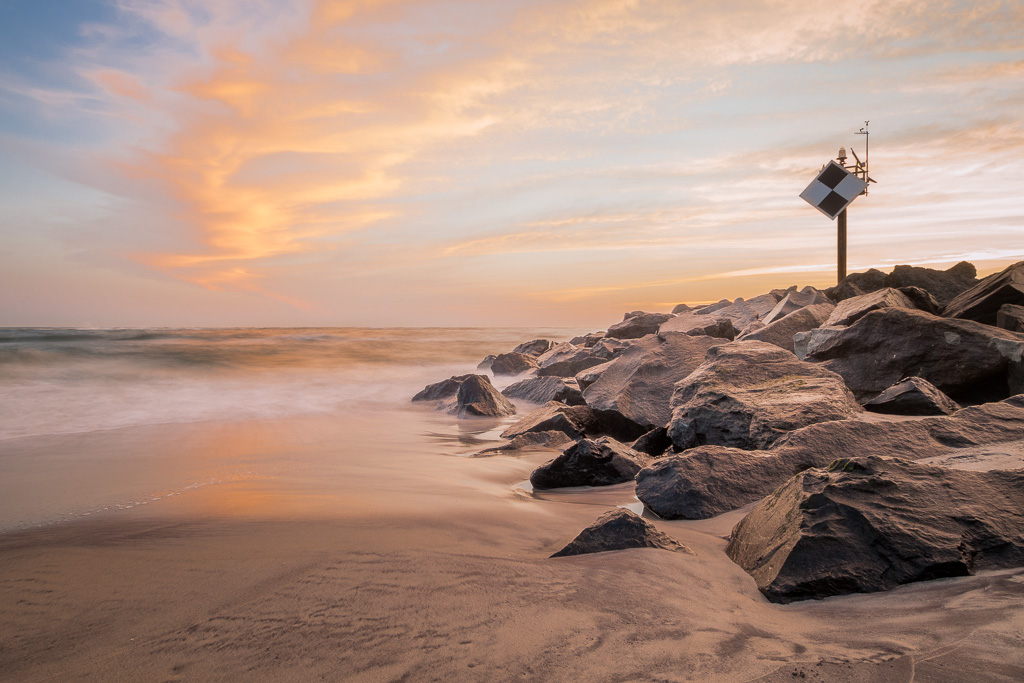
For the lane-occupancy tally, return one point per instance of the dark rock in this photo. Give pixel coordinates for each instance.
(632, 314)
(545, 389)
(721, 328)
(441, 390)
(912, 396)
(870, 524)
(535, 347)
(590, 463)
(654, 443)
(709, 480)
(941, 284)
(639, 383)
(749, 393)
(965, 270)
(620, 529)
(794, 301)
(968, 361)
(565, 360)
(512, 363)
(485, 364)
(922, 299)
(681, 308)
(853, 309)
(587, 377)
(856, 284)
(982, 302)
(550, 440)
(576, 422)
(476, 397)
(781, 332)
(707, 309)
(586, 340)
(638, 325)
(1010, 317)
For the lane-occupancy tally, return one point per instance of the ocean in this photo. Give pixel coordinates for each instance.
(99, 420)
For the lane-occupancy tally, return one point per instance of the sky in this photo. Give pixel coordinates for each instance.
(487, 163)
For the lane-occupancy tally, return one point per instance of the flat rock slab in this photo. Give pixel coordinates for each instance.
(967, 360)
(576, 422)
(547, 441)
(639, 383)
(982, 302)
(708, 481)
(749, 393)
(912, 396)
(853, 309)
(781, 331)
(620, 529)
(545, 389)
(868, 524)
(600, 462)
(792, 302)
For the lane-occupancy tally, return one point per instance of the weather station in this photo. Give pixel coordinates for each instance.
(834, 189)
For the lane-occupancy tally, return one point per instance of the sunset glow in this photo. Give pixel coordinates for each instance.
(329, 162)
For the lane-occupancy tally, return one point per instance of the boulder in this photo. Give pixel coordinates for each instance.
(912, 396)
(639, 383)
(535, 347)
(781, 331)
(710, 319)
(680, 308)
(711, 308)
(549, 440)
(654, 443)
(749, 393)
(941, 284)
(794, 301)
(1010, 317)
(721, 328)
(982, 302)
(922, 299)
(853, 309)
(620, 529)
(441, 390)
(477, 397)
(485, 364)
(576, 422)
(587, 340)
(512, 364)
(709, 480)
(545, 389)
(856, 284)
(967, 360)
(600, 462)
(565, 360)
(869, 524)
(585, 378)
(638, 325)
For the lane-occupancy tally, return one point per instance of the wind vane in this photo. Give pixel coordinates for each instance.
(835, 188)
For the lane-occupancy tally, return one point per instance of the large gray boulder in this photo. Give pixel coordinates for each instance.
(544, 389)
(441, 390)
(944, 285)
(589, 462)
(620, 529)
(912, 396)
(576, 422)
(853, 309)
(512, 364)
(534, 348)
(869, 524)
(565, 359)
(749, 393)
(781, 332)
(982, 302)
(639, 383)
(638, 325)
(967, 360)
(707, 481)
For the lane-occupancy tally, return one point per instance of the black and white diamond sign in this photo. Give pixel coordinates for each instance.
(833, 190)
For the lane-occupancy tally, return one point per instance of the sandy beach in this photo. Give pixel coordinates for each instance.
(352, 549)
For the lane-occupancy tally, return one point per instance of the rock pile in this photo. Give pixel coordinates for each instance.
(712, 408)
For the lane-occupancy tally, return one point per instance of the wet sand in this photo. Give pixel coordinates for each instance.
(364, 548)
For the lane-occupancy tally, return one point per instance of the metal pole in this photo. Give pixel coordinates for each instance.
(841, 256)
